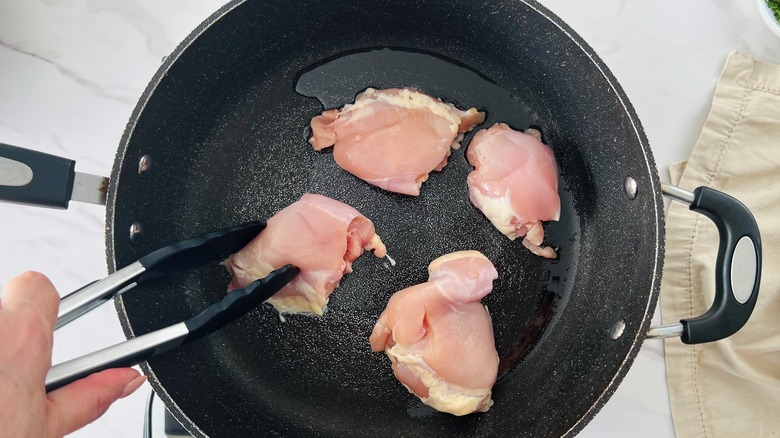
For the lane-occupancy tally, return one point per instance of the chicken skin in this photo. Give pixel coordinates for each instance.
(439, 337)
(393, 138)
(319, 235)
(515, 183)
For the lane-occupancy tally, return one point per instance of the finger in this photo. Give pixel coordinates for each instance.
(32, 292)
(29, 313)
(84, 401)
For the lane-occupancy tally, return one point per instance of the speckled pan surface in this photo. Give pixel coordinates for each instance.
(226, 131)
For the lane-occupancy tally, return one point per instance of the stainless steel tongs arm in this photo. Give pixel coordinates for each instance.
(175, 258)
(139, 349)
(81, 301)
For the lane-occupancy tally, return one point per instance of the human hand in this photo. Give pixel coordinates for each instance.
(28, 313)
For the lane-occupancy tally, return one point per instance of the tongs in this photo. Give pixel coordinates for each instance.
(172, 259)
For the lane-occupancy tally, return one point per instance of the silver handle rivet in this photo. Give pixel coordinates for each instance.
(618, 329)
(144, 164)
(630, 187)
(135, 232)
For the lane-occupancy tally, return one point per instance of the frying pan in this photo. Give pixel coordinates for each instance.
(219, 138)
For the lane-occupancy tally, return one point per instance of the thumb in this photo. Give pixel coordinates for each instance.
(74, 406)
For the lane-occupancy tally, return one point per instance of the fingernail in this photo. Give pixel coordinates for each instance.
(133, 385)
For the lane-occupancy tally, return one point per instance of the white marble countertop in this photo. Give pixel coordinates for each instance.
(71, 72)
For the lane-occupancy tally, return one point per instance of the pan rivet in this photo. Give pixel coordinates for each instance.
(135, 232)
(144, 164)
(630, 187)
(618, 328)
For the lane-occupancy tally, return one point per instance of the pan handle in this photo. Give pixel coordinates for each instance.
(35, 178)
(737, 268)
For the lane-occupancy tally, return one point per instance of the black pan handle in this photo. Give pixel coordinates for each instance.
(737, 269)
(35, 178)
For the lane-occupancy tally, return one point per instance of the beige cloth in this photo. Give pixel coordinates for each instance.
(729, 388)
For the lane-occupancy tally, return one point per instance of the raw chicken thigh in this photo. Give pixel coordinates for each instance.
(440, 338)
(515, 183)
(393, 138)
(317, 234)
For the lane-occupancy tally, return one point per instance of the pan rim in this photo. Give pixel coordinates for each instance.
(111, 202)
(659, 219)
(181, 49)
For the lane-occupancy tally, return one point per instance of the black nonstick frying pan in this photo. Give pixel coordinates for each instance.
(219, 138)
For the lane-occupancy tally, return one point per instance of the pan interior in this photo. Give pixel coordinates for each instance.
(227, 128)
(443, 219)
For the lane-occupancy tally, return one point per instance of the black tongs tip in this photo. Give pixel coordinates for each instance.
(239, 302)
